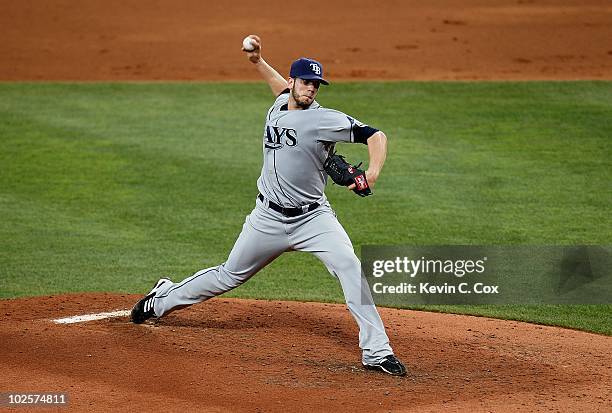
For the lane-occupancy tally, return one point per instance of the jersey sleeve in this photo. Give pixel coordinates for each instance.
(281, 100)
(336, 126)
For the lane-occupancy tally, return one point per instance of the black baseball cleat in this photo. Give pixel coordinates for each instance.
(390, 365)
(143, 310)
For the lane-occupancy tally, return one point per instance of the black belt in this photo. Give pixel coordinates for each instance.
(290, 212)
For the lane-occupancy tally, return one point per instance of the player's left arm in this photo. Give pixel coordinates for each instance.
(377, 151)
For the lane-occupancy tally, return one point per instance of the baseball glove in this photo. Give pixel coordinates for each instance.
(345, 174)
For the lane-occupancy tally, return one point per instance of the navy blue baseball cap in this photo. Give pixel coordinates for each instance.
(307, 69)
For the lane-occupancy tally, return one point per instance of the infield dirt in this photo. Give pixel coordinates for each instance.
(246, 355)
(249, 355)
(363, 39)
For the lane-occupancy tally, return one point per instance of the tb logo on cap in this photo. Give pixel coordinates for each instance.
(307, 69)
(315, 68)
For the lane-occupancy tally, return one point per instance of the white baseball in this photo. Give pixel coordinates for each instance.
(248, 45)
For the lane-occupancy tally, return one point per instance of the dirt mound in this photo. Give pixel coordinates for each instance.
(196, 40)
(248, 355)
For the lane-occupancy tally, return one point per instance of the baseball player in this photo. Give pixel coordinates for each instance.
(291, 211)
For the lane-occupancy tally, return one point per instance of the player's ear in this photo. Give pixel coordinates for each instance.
(290, 82)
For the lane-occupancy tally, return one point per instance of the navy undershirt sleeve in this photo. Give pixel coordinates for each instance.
(362, 133)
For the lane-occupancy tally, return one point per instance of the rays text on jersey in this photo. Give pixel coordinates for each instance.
(276, 137)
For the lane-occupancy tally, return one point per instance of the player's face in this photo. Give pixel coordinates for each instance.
(304, 91)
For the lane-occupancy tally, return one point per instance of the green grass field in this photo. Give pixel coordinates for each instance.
(106, 187)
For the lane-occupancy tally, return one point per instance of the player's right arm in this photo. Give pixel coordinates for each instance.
(274, 79)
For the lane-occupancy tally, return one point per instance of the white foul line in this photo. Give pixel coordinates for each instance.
(91, 317)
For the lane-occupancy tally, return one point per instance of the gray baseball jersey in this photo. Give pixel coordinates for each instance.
(295, 145)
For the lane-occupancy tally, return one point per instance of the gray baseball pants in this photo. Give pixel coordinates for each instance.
(265, 235)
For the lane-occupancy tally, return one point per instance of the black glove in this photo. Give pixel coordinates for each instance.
(345, 174)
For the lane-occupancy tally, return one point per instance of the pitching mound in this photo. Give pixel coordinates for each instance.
(248, 355)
